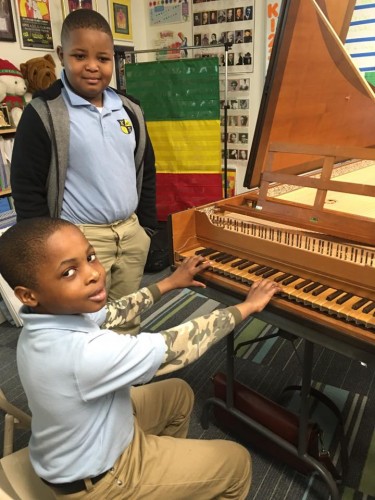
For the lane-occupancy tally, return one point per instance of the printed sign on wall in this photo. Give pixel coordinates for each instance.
(35, 24)
(168, 12)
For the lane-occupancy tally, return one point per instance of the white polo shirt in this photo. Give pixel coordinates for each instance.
(77, 379)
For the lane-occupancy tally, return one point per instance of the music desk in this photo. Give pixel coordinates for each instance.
(312, 334)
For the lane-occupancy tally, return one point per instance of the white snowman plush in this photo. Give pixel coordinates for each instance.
(12, 90)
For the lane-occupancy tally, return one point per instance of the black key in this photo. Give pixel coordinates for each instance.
(344, 298)
(228, 259)
(334, 295)
(311, 287)
(205, 251)
(290, 280)
(282, 277)
(359, 304)
(320, 290)
(239, 262)
(245, 265)
(221, 257)
(369, 308)
(302, 285)
(263, 270)
(216, 255)
(271, 272)
(256, 268)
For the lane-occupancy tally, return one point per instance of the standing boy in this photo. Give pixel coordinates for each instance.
(82, 153)
(94, 436)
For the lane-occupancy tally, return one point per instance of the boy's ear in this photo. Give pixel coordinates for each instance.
(59, 52)
(26, 296)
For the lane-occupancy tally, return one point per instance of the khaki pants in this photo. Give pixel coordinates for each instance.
(161, 464)
(122, 249)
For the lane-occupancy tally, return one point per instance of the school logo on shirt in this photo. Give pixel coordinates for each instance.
(126, 126)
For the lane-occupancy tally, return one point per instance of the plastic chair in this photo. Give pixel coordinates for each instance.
(18, 479)
(14, 418)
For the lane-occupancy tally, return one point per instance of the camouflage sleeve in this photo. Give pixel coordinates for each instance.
(187, 342)
(127, 308)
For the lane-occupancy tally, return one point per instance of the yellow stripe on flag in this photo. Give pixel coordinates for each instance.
(187, 146)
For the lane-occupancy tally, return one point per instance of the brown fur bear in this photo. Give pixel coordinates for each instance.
(39, 73)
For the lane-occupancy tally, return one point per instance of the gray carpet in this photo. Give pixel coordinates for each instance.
(266, 367)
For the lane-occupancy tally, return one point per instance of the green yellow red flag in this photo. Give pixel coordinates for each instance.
(181, 102)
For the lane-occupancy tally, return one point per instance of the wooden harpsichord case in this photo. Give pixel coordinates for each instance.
(307, 219)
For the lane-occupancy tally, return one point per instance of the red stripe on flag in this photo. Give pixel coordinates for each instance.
(176, 192)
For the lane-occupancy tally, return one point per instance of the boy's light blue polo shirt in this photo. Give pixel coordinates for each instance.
(100, 185)
(77, 379)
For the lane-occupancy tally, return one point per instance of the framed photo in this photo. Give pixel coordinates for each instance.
(4, 117)
(7, 31)
(70, 5)
(120, 15)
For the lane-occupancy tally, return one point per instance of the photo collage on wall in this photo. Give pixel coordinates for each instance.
(237, 118)
(214, 21)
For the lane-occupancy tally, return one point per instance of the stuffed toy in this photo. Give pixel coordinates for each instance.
(39, 73)
(12, 90)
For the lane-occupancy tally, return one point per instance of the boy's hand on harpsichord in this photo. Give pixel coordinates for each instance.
(258, 297)
(183, 276)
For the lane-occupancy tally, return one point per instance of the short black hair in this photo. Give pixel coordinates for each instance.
(84, 18)
(22, 247)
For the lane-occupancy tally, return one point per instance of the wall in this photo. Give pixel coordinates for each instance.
(144, 37)
(14, 53)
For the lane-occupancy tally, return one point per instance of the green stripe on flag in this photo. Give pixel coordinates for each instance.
(187, 89)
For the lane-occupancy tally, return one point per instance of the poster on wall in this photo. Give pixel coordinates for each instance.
(174, 11)
(214, 23)
(71, 5)
(120, 15)
(238, 105)
(170, 45)
(230, 189)
(35, 24)
(7, 32)
(272, 16)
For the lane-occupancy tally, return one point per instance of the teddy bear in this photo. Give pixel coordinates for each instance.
(39, 73)
(12, 90)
